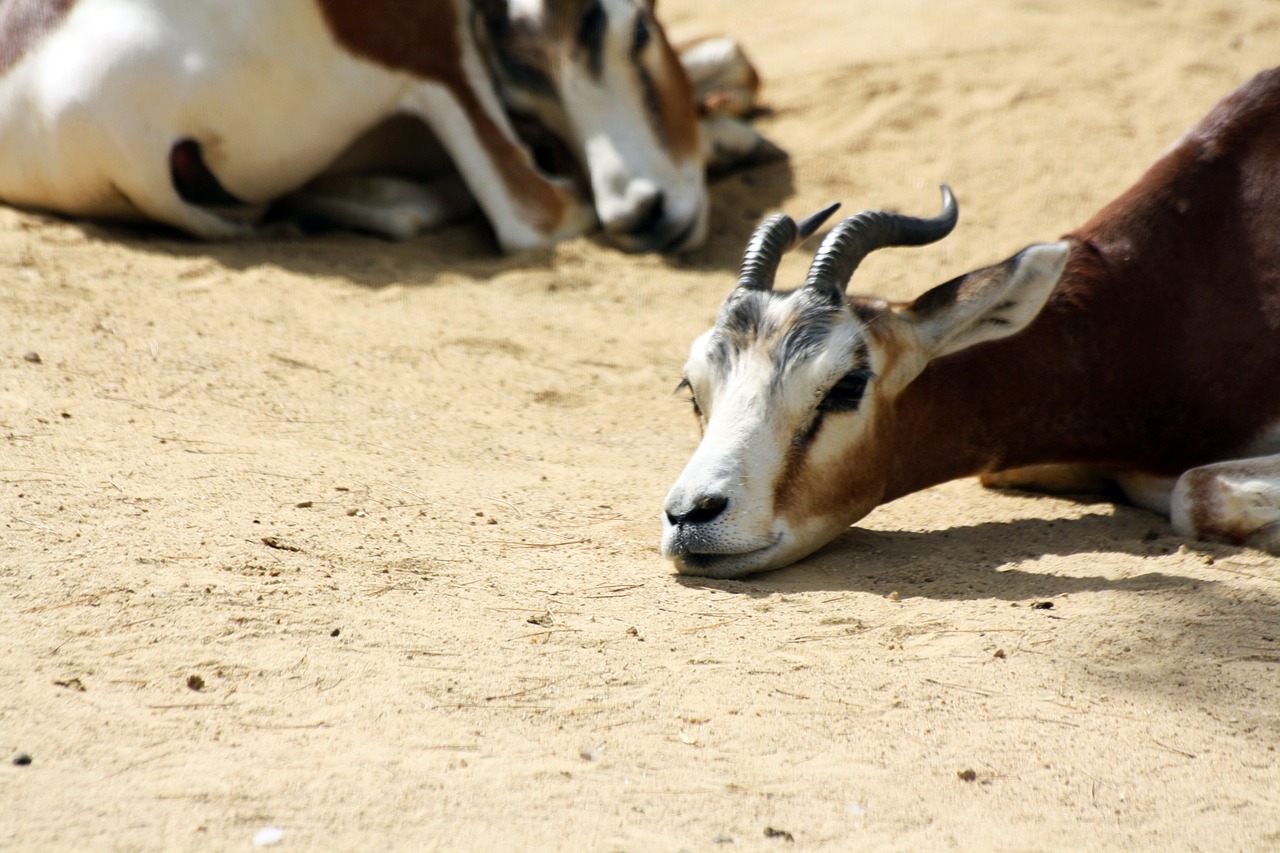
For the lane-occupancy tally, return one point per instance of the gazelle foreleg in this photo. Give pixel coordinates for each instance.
(1148, 491)
(386, 205)
(1053, 479)
(726, 89)
(723, 79)
(1236, 501)
(145, 175)
(526, 208)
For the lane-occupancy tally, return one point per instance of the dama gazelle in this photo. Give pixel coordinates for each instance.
(1142, 351)
(199, 115)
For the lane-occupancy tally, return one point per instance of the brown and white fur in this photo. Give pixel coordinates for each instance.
(1142, 351)
(200, 115)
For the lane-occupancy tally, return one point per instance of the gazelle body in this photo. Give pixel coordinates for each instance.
(1142, 351)
(199, 115)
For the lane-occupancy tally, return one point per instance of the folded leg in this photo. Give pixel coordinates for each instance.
(1237, 502)
(392, 207)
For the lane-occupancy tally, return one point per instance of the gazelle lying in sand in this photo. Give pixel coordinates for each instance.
(200, 115)
(1141, 351)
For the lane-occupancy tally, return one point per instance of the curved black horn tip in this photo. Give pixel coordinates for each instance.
(949, 206)
(813, 221)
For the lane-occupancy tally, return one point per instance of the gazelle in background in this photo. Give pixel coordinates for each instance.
(1142, 351)
(200, 115)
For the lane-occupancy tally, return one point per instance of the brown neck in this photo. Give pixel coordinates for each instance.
(1125, 368)
(1001, 405)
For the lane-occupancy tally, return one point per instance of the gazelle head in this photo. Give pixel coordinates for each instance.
(796, 390)
(601, 76)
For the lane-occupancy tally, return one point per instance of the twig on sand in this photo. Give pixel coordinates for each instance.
(979, 691)
(535, 688)
(129, 767)
(615, 590)
(712, 625)
(545, 633)
(1168, 748)
(91, 598)
(36, 524)
(542, 544)
(393, 588)
(508, 504)
(533, 610)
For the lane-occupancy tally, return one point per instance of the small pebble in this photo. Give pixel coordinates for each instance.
(967, 775)
(33, 357)
(591, 752)
(195, 682)
(22, 759)
(268, 836)
(893, 596)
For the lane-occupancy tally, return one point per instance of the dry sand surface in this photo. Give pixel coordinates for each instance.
(358, 540)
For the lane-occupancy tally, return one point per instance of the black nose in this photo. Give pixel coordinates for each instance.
(704, 510)
(647, 216)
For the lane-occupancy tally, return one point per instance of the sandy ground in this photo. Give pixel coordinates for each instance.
(393, 510)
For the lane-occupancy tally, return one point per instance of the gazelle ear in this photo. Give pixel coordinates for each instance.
(987, 304)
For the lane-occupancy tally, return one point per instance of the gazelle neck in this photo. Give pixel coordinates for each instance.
(1112, 373)
(1050, 394)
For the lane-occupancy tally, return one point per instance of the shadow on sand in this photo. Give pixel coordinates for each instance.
(738, 202)
(976, 562)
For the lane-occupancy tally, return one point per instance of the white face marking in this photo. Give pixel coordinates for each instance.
(646, 196)
(631, 169)
(531, 10)
(758, 407)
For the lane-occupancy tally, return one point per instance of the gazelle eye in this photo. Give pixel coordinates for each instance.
(640, 35)
(685, 386)
(846, 394)
(591, 29)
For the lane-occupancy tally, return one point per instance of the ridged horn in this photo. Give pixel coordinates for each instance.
(772, 239)
(861, 234)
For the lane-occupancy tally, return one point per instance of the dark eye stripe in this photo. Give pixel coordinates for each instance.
(640, 35)
(846, 394)
(525, 76)
(591, 32)
(652, 104)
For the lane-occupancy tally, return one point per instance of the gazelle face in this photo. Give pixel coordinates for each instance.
(797, 391)
(601, 76)
(784, 386)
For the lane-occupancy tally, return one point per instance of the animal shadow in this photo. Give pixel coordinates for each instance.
(466, 247)
(979, 561)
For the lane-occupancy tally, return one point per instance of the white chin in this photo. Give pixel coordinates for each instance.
(772, 556)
